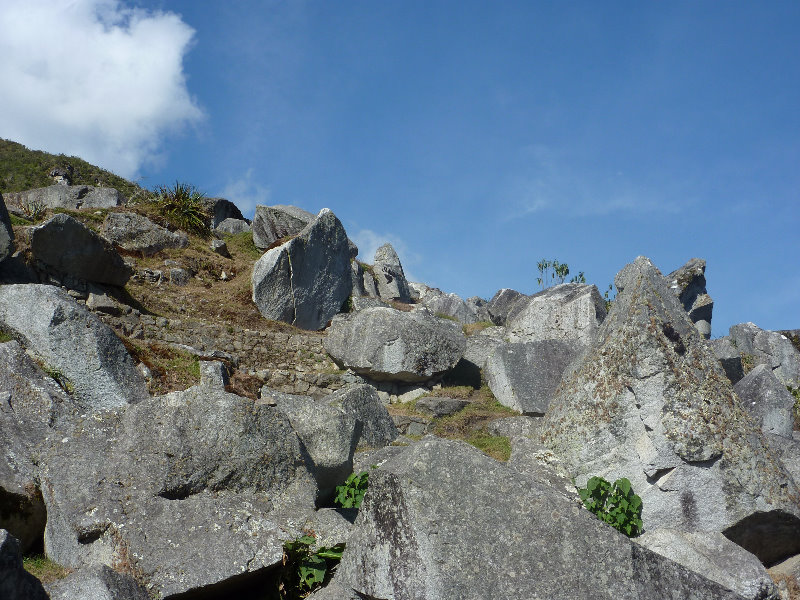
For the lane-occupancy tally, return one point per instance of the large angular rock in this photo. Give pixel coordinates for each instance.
(72, 197)
(15, 582)
(569, 312)
(6, 232)
(480, 347)
(767, 400)
(390, 279)
(181, 489)
(387, 344)
(770, 348)
(650, 402)
(362, 402)
(416, 537)
(524, 376)
(73, 341)
(136, 233)
(714, 556)
(67, 245)
(729, 358)
(271, 223)
(30, 401)
(220, 209)
(444, 304)
(689, 283)
(502, 303)
(306, 280)
(480, 308)
(327, 433)
(233, 226)
(97, 583)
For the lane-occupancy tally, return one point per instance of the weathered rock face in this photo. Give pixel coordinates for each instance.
(480, 308)
(480, 347)
(650, 402)
(502, 303)
(72, 197)
(415, 537)
(442, 303)
(6, 232)
(220, 209)
(137, 233)
(769, 348)
(569, 312)
(327, 433)
(716, 557)
(30, 401)
(767, 400)
(272, 223)
(97, 583)
(70, 247)
(387, 344)
(390, 279)
(73, 341)
(15, 582)
(306, 280)
(180, 489)
(689, 283)
(524, 376)
(377, 428)
(729, 358)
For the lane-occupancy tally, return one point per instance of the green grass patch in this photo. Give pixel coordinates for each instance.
(5, 336)
(172, 369)
(496, 446)
(442, 315)
(44, 569)
(473, 328)
(241, 244)
(460, 392)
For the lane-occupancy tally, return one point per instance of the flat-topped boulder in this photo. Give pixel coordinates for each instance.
(184, 488)
(568, 312)
(71, 197)
(306, 280)
(74, 342)
(137, 233)
(649, 401)
(388, 344)
(68, 246)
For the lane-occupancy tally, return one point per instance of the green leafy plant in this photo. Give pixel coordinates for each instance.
(551, 272)
(33, 210)
(351, 493)
(615, 504)
(303, 570)
(607, 296)
(182, 206)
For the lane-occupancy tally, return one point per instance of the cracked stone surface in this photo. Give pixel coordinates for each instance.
(650, 402)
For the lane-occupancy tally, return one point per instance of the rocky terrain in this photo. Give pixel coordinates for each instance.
(179, 404)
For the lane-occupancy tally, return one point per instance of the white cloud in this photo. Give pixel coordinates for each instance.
(93, 78)
(246, 193)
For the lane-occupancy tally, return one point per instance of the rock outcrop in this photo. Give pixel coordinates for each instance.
(390, 280)
(306, 280)
(219, 210)
(449, 305)
(772, 348)
(15, 582)
(768, 401)
(650, 402)
(233, 226)
(568, 312)
(135, 233)
(272, 223)
(416, 537)
(74, 342)
(387, 344)
(377, 429)
(6, 232)
(68, 246)
(689, 283)
(97, 583)
(502, 303)
(71, 197)
(181, 489)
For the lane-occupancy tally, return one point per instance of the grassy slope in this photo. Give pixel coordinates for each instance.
(23, 169)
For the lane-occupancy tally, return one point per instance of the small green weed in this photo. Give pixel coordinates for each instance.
(181, 205)
(44, 569)
(5, 337)
(748, 363)
(614, 504)
(795, 391)
(351, 493)
(303, 570)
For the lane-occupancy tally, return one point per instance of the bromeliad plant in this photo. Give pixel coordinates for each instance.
(614, 504)
(303, 570)
(182, 206)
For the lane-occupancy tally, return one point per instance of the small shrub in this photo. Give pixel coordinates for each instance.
(748, 363)
(33, 210)
(614, 504)
(181, 205)
(303, 570)
(351, 493)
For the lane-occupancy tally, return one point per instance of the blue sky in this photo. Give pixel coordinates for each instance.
(477, 137)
